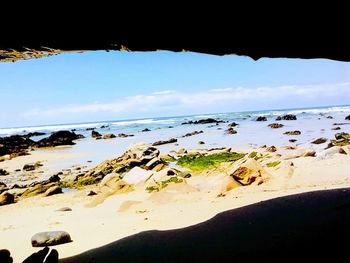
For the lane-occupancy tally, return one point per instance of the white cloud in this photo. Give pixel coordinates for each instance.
(172, 102)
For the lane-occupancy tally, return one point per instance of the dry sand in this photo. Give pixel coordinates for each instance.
(129, 213)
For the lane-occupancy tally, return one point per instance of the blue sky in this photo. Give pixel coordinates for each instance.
(92, 86)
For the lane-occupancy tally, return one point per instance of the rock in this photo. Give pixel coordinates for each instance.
(31, 134)
(231, 131)
(309, 153)
(187, 175)
(341, 135)
(170, 172)
(58, 138)
(261, 118)
(172, 140)
(287, 117)
(5, 256)
(104, 126)
(328, 152)
(109, 136)
(292, 132)
(91, 193)
(6, 198)
(123, 135)
(233, 124)
(3, 187)
(152, 163)
(249, 172)
(342, 139)
(336, 128)
(95, 134)
(192, 133)
(330, 117)
(137, 175)
(158, 167)
(54, 190)
(31, 166)
(36, 189)
(203, 121)
(166, 158)
(347, 118)
(292, 140)
(51, 238)
(89, 129)
(64, 209)
(319, 141)
(275, 125)
(80, 136)
(18, 170)
(271, 149)
(3, 172)
(15, 144)
(201, 142)
(146, 130)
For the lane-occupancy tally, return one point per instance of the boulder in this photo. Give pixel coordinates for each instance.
(329, 117)
(319, 141)
(58, 138)
(292, 140)
(192, 133)
(36, 189)
(203, 121)
(123, 135)
(3, 172)
(233, 124)
(347, 118)
(336, 128)
(137, 175)
(172, 140)
(31, 166)
(271, 149)
(292, 132)
(342, 135)
(275, 125)
(15, 144)
(250, 172)
(287, 117)
(328, 152)
(91, 193)
(109, 136)
(342, 139)
(6, 198)
(146, 130)
(231, 131)
(152, 163)
(201, 142)
(95, 134)
(51, 238)
(53, 191)
(261, 118)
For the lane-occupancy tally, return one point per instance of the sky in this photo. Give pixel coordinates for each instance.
(100, 85)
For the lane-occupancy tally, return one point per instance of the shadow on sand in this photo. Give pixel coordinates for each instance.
(310, 226)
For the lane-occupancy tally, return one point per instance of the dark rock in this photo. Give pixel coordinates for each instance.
(293, 140)
(6, 198)
(319, 141)
(341, 123)
(90, 129)
(31, 166)
(292, 132)
(5, 256)
(64, 209)
(192, 133)
(31, 134)
(261, 118)
(347, 118)
(271, 149)
(172, 140)
(279, 118)
(201, 142)
(58, 138)
(104, 126)
(275, 125)
(287, 117)
(54, 190)
(36, 189)
(51, 238)
(146, 130)
(3, 172)
(231, 131)
(341, 135)
(336, 128)
(14, 144)
(170, 172)
(109, 136)
(91, 193)
(170, 127)
(18, 170)
(203, 121)
(95, 134)
(233, 124)
(187, 175)
(123, 135)
(330, 117)
(80, 136)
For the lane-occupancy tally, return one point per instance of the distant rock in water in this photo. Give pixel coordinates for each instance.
(292, 132)
(15, 144)
(275, 125)
(319, 141)
(330, 117)
(104, 126)
(203, 121)
(51, 238)
(233, 124)
(123, 135)
(192, 133)
(109, 136)
(90, 129)
(95, 134)
(292, 140)
(3, 172)
(336, 128)
(31, 134)
(287, 117)
(146, 130)
(58, 138)
(261, 118)
(201, 142)
(172, 140)
(347, 118)
(231, 131)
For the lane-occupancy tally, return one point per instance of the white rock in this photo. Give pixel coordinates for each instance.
(137, 175)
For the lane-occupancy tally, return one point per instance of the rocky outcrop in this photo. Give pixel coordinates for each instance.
(275, 125)
(14, 144)
(261, 118)
(203, 121)
(172, 140)
(36, 189)
(51, 238)
(287, 117)
(109, 136)
(292, 132)
(59, 138)
(341, 139)
(95, 134)
(3, 172)
(319, 141)
(53, 191)
(192, 133)
(6, 198)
